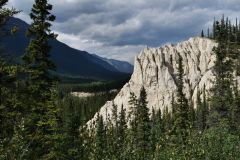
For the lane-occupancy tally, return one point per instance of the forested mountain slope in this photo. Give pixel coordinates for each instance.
(69, 61)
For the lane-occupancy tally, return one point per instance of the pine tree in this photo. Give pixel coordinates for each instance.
(208, 33)
(113, 134)
(132, 135)
(173, 106)
(10, 111)
(157, 130)
(204, 109)
(214, 28)
(41, 120)
(181, 123)
(5, 14)
(100, 139)
(122, 133)
(202, 34)
(72, 142)
(154, 131)
(167, 120)
(222, 98)
(140, 125)
(201, 111)
(143, 126)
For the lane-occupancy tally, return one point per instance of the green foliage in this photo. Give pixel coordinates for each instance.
(93, 87)
(42, 120)
(181, 122)
(222, 94)
(201, 111)
(5, 14)
(41, 129)
(10, 104)
(140, 126)
(122, 133)
(101, 141)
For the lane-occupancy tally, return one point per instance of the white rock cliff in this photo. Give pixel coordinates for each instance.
(156, 69)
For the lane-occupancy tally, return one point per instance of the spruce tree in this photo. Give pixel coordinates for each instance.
(132, 116)
(156, 129)
(143, 126)
(140, 125)
(40, 121)
(167, 120)
(202, 34)
(72, 141)
(222, 94)
(5, 14)
(153, 138)
(199, 111)
(122, 133)
(214, 28)
(202, 111)
(208, 33)
(10, 108)
(181, 122)
(100, 139)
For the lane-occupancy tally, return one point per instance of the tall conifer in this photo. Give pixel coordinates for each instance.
(181, 123)
(41, 111)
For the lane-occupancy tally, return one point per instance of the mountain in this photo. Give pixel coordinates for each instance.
(69, 62)
(156, 70)
(121, 66)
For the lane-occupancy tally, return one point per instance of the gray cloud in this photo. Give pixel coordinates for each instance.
(119, 29)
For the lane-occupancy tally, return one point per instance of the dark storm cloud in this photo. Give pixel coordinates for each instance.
(122, 25)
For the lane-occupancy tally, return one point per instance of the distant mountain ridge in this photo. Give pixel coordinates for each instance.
(69, 61)
(121, 66)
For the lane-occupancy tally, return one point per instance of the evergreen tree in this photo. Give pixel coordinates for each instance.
(181, 123)
(156, 129)
(112, 133)
(204, 109)
(222, 97)
(140, 125)
(10, 107)
(202, 34)
(143, 126)
(208, 33)
(122, 133)
(132, 135)
(72, 141)
(5, 14)
(167, 120)
(214, 28)
(41, 119)
(100, 140)
(201, 111)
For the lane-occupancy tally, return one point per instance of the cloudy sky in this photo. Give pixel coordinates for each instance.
(120, 29)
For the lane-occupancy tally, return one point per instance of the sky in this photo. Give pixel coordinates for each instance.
(120, 29)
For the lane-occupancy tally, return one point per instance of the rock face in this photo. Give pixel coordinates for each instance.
(156, 70)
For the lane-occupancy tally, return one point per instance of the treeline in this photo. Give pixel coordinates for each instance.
(83, 108)
(94, 86)
(231, 30)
